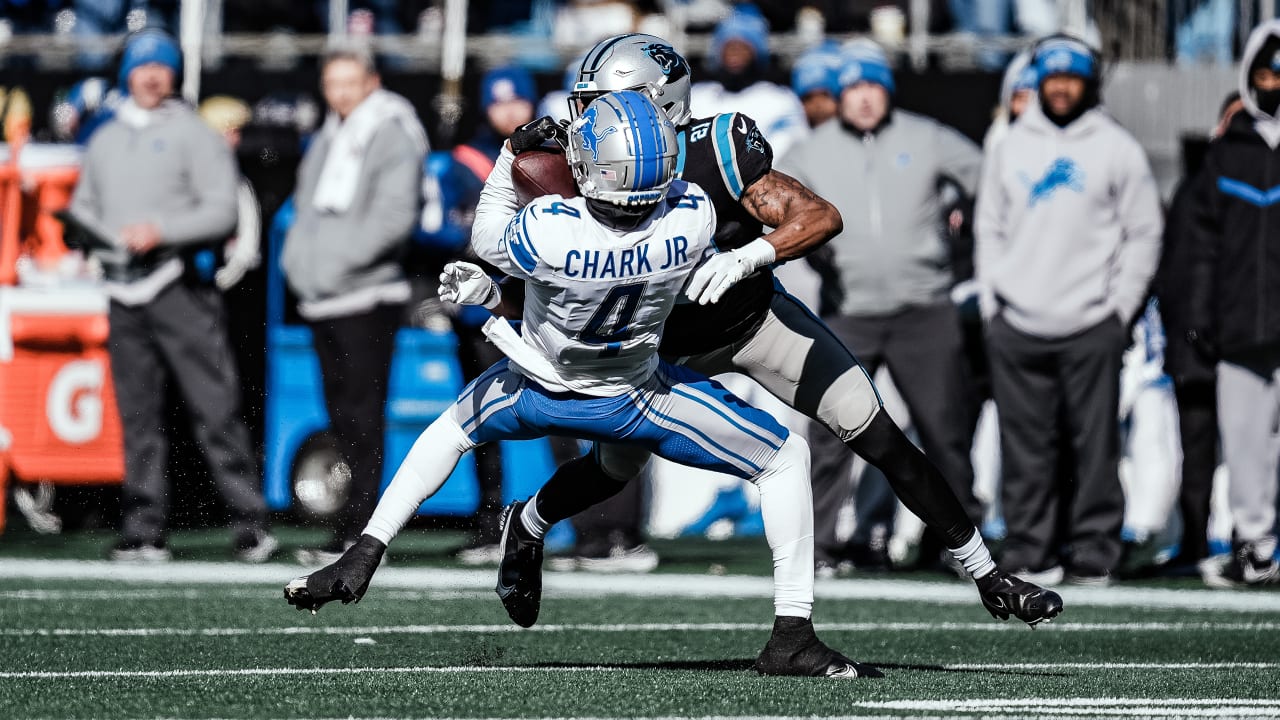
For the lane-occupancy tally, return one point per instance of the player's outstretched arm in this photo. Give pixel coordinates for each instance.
(497, 205)
(801, 219)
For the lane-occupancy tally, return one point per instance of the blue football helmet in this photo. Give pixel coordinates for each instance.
(623, 150)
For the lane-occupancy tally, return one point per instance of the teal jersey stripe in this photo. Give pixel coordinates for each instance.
(724, 153)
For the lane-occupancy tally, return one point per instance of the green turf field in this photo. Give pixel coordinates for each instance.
(199, 639)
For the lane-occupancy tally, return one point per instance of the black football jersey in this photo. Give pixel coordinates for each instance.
(723, 155)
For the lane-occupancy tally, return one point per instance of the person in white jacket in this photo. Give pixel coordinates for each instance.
(736, 64)
(1068, 238)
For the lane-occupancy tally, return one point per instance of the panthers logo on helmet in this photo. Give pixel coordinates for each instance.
(590, 140)
(672, 63)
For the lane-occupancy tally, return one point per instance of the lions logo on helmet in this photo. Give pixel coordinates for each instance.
(623, 150)
(590, 139)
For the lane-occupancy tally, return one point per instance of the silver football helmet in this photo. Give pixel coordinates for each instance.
(623, 150)
(634, 62)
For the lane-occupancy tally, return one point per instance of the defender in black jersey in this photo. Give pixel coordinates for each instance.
(759, 330)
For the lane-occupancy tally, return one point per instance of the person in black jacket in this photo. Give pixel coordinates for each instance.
(1235, 306)
(1193, 375)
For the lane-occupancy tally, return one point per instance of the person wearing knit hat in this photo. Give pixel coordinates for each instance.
(162, 184)
(157, 55)
(736, 65)
(1067, 239)
(508, 96)
(1069, 79)
(893, 276)
(865, 61)
(815, 79)
(739, 42)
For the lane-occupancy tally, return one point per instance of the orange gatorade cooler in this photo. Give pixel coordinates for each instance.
(58, 418)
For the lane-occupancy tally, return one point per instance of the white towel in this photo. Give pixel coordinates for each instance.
(348, 141)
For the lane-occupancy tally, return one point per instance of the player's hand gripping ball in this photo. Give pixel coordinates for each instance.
(542, 171)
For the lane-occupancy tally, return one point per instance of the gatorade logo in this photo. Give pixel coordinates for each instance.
(74, 403)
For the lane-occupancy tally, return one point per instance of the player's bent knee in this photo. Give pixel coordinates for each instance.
(623, 463)
(792, 456)
(445, 431)
(849, 404)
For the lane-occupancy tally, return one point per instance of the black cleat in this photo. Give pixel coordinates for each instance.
(1004, 595)
(347, 579)
(794, 649)
(520, 570)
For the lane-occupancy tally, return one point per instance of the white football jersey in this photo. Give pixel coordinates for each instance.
(595, 296)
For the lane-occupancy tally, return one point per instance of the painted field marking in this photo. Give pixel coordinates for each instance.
(628, 628)
(462, 669)
(1092, 707)
(653, 585)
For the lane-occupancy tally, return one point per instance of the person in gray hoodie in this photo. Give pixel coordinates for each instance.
(1067, 241)
(357, 202)
(881, 167)
(156, 185)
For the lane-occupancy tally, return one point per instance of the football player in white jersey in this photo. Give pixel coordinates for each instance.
(602, 272)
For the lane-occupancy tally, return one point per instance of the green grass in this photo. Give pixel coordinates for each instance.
(492, 669)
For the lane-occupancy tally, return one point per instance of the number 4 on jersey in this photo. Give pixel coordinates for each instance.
(595, 333)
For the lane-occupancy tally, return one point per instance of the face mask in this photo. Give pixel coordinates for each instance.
(736, 81)
(1268, 101)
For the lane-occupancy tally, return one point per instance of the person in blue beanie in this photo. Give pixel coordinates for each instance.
(1067, 240)
(815, 79)
(159, 185)
(737, 64)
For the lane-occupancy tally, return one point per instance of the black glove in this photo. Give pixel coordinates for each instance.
(533, 134)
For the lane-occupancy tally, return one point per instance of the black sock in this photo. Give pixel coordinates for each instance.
(914, 479)
(575, 486)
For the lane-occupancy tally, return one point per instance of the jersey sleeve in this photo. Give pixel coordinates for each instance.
(494, 212)
(517, 253)
(741, 151)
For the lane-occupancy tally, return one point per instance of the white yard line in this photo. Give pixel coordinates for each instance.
(628, 628)
(1117, 666)
(464, 669)
(1091, 707)
(655, 585)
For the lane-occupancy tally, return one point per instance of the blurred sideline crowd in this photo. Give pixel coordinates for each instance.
(1094, 370)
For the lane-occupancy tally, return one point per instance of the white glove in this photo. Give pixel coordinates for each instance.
(241, 257)
(723, 270)
(465, 283)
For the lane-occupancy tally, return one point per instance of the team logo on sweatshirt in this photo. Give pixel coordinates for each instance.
(1062, 173)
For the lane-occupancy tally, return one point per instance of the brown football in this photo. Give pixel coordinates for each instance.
(543, 171)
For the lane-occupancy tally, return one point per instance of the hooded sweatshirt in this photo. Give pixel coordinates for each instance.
(1068, 225)
(1235, 230)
